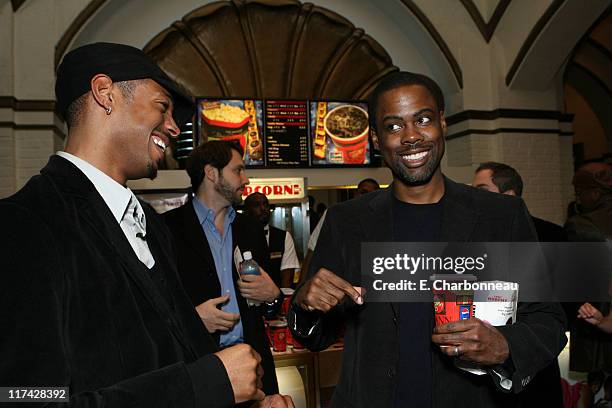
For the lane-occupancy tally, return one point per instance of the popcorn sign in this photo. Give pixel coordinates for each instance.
(276, 188)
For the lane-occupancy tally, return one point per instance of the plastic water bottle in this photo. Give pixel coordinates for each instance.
(249, 267)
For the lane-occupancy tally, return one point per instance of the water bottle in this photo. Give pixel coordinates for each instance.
(249, 267)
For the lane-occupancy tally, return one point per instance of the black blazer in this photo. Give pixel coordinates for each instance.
(77, 307)
(198, 273)
(548, 231)
(371, 342)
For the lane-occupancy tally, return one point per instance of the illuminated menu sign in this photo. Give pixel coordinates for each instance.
(286, 133)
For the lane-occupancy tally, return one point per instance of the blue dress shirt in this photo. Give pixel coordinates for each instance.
(221, 248)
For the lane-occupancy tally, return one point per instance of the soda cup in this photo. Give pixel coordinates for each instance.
(287, 294)
(453, 305)
(249, 267)
(278, 331)
(288, 335)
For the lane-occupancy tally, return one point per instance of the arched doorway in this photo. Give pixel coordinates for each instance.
(588, 92)
(270, 49)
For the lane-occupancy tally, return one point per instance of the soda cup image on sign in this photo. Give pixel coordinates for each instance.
(452, 305)
(249, 267)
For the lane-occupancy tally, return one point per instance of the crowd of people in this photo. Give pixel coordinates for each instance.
(589, 350)
(129, 308)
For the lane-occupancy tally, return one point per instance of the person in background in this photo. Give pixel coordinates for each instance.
(545, 388)
(365, 186)
(593, 187)
(590, 347)
(501, 178)
(592, 315)
(393, 356)
(90, 298)
(281, 249)
(210, 239)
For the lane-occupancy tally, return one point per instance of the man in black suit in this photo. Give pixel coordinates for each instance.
(90, 298)
(545, 389)
(210, 239)
(501, 178)
(391, 358)
(282, 256)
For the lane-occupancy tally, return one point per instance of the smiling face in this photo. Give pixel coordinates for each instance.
(143, 129)
(232, 180)
(410, 133)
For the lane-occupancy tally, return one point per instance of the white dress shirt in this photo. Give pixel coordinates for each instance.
(123, 204)
(314, 237)
(290, 259)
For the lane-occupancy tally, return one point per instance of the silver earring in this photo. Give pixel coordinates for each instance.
(109, 110)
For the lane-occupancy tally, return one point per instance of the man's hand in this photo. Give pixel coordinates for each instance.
(325, 290)
(472, 340)
(258, 287)
(215, 319)
(275, 401)
(242, 365)
(590, 314)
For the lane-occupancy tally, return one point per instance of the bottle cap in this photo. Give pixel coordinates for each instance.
(248, 256)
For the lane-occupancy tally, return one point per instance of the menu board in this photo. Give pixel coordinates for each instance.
(277, 133)
(238, 120)
(286, 133)
(340, 133)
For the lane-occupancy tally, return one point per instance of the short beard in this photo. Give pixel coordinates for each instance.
(226, 191)
(413, 178)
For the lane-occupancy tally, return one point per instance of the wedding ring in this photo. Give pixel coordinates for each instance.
(456, 351)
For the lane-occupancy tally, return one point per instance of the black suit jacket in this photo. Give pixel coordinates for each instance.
(77, 307)
(545, 389)
(198, 273)
(548, 231)
(371, 342)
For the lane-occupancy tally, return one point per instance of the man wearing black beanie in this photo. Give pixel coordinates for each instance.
(90, 298)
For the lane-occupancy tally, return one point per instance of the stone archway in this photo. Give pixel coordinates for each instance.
(270, 49)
